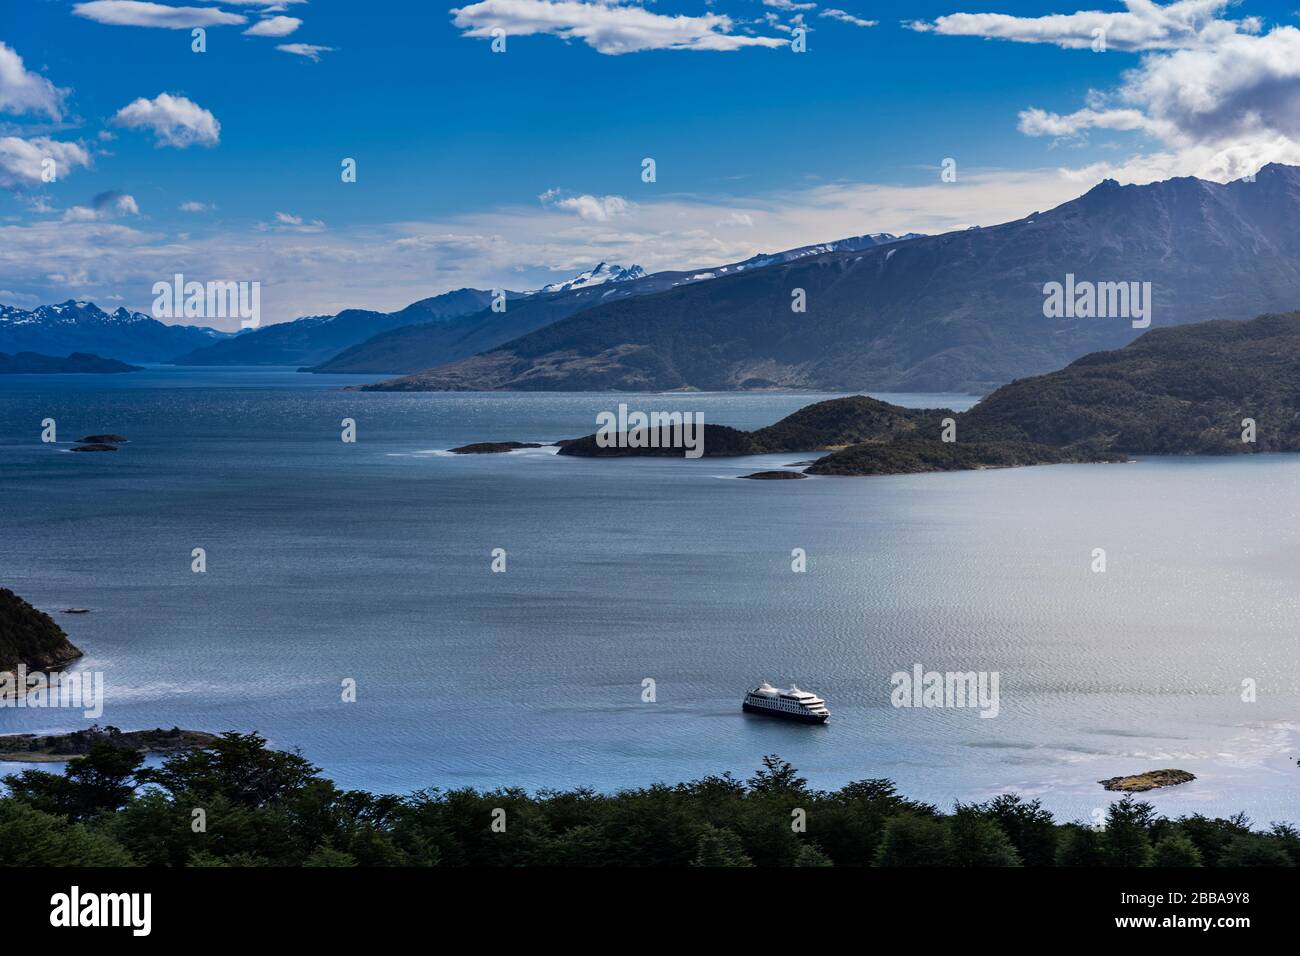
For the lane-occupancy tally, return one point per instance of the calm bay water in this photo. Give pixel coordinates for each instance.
(371, 561)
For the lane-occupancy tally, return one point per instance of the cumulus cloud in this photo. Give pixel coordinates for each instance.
(23, 161)
(174, 121)
(610, 28)
(310, 50)
(1143, 25)
(193, 205)
(22, 91)
(846, 17)
(116, 202)
(106, 205)
(591, 208)
(1210, 97)
(274, 27)
(136, 13)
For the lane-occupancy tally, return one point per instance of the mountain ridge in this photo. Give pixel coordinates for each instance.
(961, 311)
(415, 347)
(82, 326)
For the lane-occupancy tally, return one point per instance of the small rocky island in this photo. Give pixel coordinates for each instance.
(104, 439)
(1151, 780)
(774, 475)
(35, 363)
(494, 447)
(37, 748)
(100, 442)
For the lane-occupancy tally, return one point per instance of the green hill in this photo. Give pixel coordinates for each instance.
(1180, 391)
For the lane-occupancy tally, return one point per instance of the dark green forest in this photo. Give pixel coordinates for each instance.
(238, 803)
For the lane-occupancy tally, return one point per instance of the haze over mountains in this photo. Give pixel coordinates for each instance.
(421, 347)
(961, 311)
(426, 333)
(317, 338)
(956, 312)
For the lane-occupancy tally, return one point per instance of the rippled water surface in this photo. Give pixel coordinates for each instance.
(371, 561)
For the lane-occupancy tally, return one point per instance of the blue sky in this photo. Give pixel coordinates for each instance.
(516, 168)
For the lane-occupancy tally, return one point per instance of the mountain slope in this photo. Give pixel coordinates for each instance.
(316, 338)
(74, 326)
(957, 312)
(29, 636)
(1173, 391)
(421, 347)
(1194, 389)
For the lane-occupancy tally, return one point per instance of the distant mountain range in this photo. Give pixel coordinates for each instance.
(314, 339)
(430, 332)
(74, 326)
(417, 347)
(962, 311)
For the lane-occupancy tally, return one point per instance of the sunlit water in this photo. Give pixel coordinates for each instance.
(372, 561)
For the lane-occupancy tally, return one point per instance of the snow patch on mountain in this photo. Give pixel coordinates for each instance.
(603, 273)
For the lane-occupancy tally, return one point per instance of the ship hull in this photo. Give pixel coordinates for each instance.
(782, 715)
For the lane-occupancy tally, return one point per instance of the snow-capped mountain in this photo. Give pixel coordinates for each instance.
(80, 326)
(603, 272)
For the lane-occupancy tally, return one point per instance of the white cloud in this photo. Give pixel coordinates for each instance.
(789, 5)
(287, 222)
(845, 17)
(609, 27)
(592, 208)
(22, 91)
(736, 219)
(310, 50)
(23, 161)
(274, 27)
(1210, 97)
(135, 13)
(107, 205)
(193, 205)
(174, 120)
(116, 203)
(1143, 25)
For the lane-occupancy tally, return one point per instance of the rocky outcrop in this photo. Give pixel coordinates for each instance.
(31, 637)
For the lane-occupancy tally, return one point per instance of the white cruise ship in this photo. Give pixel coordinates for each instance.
(792, 704)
